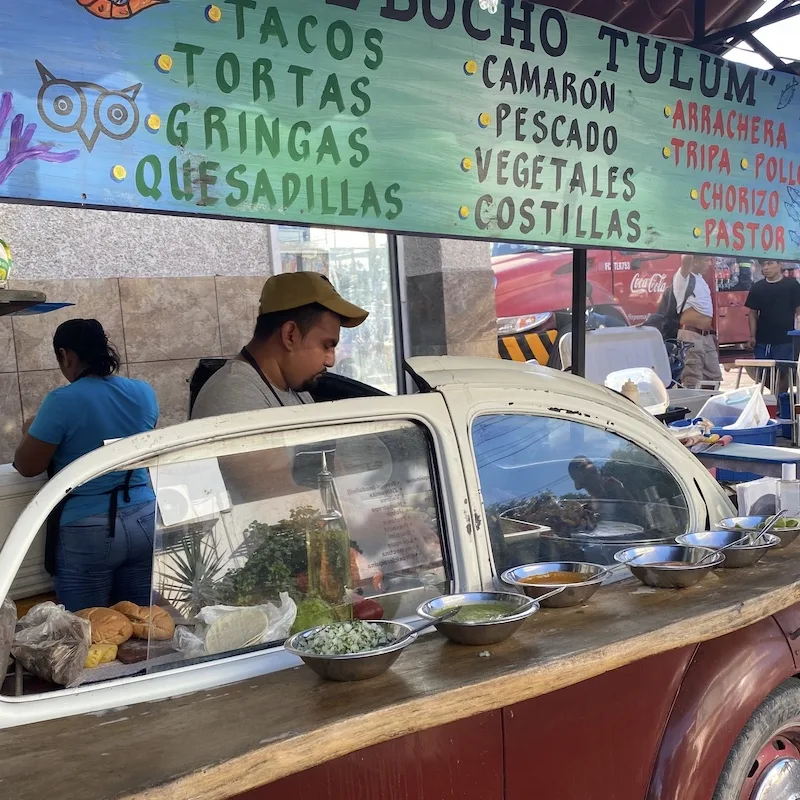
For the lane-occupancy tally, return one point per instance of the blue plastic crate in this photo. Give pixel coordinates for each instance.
(766, 435)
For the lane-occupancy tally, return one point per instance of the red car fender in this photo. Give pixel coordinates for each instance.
(726, 680)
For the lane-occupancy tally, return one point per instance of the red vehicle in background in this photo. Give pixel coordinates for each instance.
(533, 295)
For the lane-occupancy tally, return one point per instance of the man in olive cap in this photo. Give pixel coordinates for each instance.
(294, 344)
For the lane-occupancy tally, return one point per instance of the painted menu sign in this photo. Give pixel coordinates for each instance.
(432, 116)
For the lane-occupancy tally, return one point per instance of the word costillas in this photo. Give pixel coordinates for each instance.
(256, 188)
(564, 220)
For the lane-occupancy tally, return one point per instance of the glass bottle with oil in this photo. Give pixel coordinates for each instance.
(328, 545)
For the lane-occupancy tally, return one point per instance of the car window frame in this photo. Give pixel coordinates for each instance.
(468, 403)
(428, 410)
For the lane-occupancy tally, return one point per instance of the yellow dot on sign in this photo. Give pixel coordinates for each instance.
(471, 67)
(697, 233)
(466, 164)
(164, 62)
(694, 194)
(119, 172)
(745, 163)
(153, 122)
(667, 111)
(484, 120)
(666, 152)
(213, 13)
(463, 212)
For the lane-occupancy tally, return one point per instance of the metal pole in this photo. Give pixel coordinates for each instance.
(579, 268)
(699, 20)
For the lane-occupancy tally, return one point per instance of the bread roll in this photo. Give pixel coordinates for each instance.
(151, 622)
(108, 626)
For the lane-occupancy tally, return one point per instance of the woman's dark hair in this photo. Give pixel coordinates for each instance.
(87, 339)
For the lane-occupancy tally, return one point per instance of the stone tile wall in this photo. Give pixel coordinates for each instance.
(160, 326)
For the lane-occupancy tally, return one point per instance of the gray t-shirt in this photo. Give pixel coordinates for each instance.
(236, 386)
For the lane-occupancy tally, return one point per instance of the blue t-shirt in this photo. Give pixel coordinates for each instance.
(79, 418)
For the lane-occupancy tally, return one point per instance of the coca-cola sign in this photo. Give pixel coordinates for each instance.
(649, 284)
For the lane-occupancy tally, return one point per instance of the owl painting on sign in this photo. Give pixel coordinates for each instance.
(86, 108)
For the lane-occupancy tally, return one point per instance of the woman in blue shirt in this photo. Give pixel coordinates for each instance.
(100, 540)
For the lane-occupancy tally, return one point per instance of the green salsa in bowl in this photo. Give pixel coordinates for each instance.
(485, 617)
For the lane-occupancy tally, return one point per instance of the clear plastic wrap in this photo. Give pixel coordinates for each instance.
(8, 621)
(52, 643)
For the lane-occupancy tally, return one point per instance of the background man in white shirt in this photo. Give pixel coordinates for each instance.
(697, 321)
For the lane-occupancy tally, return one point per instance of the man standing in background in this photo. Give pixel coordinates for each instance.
(696, 321)
(774, 301)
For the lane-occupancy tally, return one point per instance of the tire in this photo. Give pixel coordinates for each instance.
(776, 719)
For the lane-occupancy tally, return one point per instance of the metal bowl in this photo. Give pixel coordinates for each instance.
(744, 555)
(479, 633)
(573, 595)
(743, 525)
(355, 667)
(643, 563)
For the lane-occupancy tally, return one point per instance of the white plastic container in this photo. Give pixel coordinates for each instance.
(653, 395)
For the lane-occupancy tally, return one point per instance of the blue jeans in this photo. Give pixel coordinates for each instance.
(778, 352)
(96, 569)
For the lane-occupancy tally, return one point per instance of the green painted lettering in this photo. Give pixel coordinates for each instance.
(262, 78)
(207, 179)
(178, 133)
(372, 41)
(346, 209)
(332, 93)
(214, 122)
(179, 193)
(263, 188)
(235, 182)
(340, 47)
(241, 5)
(328, 146)
(361, 153)
(147, 184)
(273, 26)
(228, 63)
(310, 193)
(299, 151)
(390, 195)
(357, 88)
(370, 201)
(325, 207)
(300, 74)
(302, 33)
(190, 51)
(291, 188)
(242, 131)
(271, 136)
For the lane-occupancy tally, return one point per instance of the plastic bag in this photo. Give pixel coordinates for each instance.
(746, 405)
(52, 643)
(280, 619)
(188, 643)
(8, 621)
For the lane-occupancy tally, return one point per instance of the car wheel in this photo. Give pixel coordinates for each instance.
(764, 763)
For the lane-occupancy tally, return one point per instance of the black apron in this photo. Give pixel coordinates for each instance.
(53, 524)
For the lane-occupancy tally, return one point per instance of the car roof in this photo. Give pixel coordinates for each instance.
(442, 371)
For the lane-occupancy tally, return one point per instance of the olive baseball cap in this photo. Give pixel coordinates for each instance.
(295, 289)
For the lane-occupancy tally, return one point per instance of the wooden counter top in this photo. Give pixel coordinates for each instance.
(219, 743)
